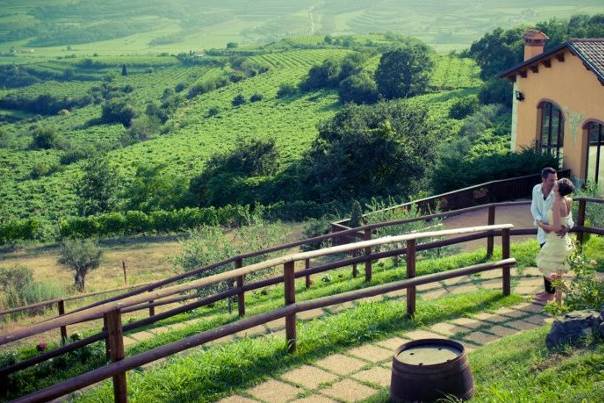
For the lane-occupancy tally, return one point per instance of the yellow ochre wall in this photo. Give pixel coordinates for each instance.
(579, 95)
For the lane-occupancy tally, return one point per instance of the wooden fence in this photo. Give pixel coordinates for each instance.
(495, 191)
(112, 311)
(151, 295)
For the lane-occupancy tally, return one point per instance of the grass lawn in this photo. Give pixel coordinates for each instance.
(519, 368)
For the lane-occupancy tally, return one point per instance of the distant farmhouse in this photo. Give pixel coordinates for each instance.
(559, 103)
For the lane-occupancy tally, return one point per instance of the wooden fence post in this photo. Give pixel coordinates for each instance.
(61, 307)
(124, 270)
(491, 238)
(151, 308)
(241, 294)
(290, 298)
(368, 268)
(505, 254)
(306, 267)
(581, 222)
(115, 341)
(410, 274)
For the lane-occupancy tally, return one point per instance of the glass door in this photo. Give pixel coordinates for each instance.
(595, 155)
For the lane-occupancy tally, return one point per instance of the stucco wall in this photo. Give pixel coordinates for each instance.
(576, 91)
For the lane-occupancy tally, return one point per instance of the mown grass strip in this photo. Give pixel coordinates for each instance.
(210, 373)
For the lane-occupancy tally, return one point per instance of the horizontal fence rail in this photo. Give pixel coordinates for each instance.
(149, 296)
(119, 367)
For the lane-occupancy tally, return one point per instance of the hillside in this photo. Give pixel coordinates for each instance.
(192, 135)
(50, 28)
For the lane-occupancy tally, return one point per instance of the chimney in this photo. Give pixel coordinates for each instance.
(534, 42)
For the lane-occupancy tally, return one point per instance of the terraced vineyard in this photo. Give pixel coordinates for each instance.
(195, 136)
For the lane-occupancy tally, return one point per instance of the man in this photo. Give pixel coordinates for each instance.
(541, 203)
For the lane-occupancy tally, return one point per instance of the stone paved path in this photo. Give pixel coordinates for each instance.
(528, 284)
(360, 372)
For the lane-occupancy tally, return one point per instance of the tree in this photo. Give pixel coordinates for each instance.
(463, 107)
(82, 256)
(232, 45)
(97, 188)
(325, 75)
(154, 189)
(365, 151)
(358, 88)
(44, 138)
(356, 215)
(239, 99)
(497, 51)
(117, 111)
(124, 70)
(496, 91)
(230, 178)
(405, 71)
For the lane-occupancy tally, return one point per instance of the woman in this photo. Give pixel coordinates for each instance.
(552, 259)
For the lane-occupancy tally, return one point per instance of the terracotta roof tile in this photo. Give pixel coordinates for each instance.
(592, 52)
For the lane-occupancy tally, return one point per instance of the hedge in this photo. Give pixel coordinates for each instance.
(161, 221)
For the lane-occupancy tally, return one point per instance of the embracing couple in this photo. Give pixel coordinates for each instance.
(551, 207)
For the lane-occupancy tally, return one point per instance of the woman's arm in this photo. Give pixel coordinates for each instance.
(557, 208)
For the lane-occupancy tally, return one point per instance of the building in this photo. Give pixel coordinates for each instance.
(559, 103)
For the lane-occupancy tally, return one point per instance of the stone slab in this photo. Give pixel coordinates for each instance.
(421, 334)
(274, 391)
(501, 331)
(348, 390)
(511, 312)
(237, 399)
(314, 399)
(480, 338)
(309, 377)
(468, 322)
(392, 344)
(371, 353)
(341, 364)
(377, 376)
(448, 329)
(312, 314)
(521, 325)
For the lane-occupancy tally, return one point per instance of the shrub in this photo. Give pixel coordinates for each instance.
(256, 97)
(405, 71)
(19, 288)
(238, 100)
(77, 153)
(180, 87)
(314, 228)
(463, 107)
(496, 91)
(325, 75)
(81, 256)
(117, 111)
(44, 138)
(358, 88)
(286, 90)
(213, 111)
(34, 228)
(43, 168)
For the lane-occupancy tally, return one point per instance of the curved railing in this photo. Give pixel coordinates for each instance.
(139, 298)
(111, 311)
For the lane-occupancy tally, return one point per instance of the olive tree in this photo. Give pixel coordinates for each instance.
(82, 256)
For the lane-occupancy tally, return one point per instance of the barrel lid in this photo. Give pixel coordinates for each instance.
(430, 352)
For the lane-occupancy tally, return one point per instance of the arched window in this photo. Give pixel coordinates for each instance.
(551, 129)
(595, 153)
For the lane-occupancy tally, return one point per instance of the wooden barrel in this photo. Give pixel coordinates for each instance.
(430, 369)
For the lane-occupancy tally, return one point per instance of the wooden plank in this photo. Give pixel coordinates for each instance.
(61, 309)
(410, 257)
(115, 341)
(146, 357)
(138, 299)
(505, 254)
(290, 298)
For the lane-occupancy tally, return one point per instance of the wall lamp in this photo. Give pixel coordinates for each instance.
(518, 95)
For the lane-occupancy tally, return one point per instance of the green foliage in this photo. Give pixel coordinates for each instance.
(124, 70)
(366, 151)
(81, 256)
(286, 90)
(34, 228)
(358, 88)
(463, 107)
(97, 188)
(404, 72)
(501, 49)
(314, 228)
(118, 111)
(238, 100)
(206, 245)
(153, 188)
(496, 91)
(19, 288)
(453, 173)
(356, 215)
(44, 138)
(256, 97)
(326, 75)
(223, 180)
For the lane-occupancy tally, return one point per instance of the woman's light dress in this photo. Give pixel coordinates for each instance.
(553, 257)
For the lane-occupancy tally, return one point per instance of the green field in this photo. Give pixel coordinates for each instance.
(40, 29)
(194, 136)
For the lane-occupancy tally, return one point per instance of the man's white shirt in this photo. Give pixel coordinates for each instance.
(540, 208)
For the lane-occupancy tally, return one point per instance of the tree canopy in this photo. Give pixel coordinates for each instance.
(405, 71)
